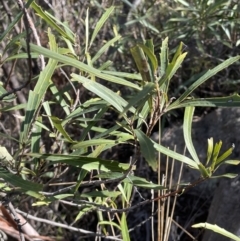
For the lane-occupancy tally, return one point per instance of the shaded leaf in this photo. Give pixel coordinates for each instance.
(216, 229)
(187, 132)
(147, 149)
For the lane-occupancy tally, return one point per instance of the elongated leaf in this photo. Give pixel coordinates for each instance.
(8, 98)
(30, 188)
(11, 25)
(134, 180)
(30, 111)
(27, 187)
(205, 172)
(123, 74)
(112, 98)
(75, 63)
(58, 125)
(231, 162)
(147, 149)
(187, 132)
(50, 21)
(100, 23)
(45, 76)
(225, 155)
(216, 151)
(109, 223)
(59, 97)
(105, 47)
(153, 59)
(21, 56)
(142, 182)
(112, 131)
(210, 150)
(227, 175)
(141, 96)
(175, 155)
(124, 228)
(144, 113)
(205, 77)
(229, 101)
(103, 194)
(94, 142)
(87, 163)
(98, 116)
(216, 229)
(142, 63)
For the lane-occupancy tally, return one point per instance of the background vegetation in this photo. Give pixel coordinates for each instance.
(83, 87)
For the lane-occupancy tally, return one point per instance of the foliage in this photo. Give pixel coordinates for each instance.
(63, 140)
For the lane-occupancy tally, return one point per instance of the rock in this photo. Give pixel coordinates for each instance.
(221, 124)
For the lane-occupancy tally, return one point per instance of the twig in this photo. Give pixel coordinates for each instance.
(56, 224)
(17, 220)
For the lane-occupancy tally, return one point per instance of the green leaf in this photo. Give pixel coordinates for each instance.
(187, 132)
(11, 25)
(124, 228)
(51, 21)
(8, 98)
(58, 125)
(205, 172)
(30, 111)
(147, 149)
(87, 163)
(216, 151)
(27, 187)
(228, 175)
(100, 23)
(143, 183)
(95, 142)
(210, 150)
(21, 56)
(149, 52)
(216, 229)
(141, 96)
(175, 155)
(109, 223)
(104, 48)
(205, 77)
(102, 194)
(142, 63)
(112, 98)
(231, 162)
(59, 97)
(225, 155)
(229, 101)
(77, 64)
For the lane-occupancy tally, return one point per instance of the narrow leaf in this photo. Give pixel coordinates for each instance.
(141, 96)
(216, 229)
(175, 155)
(58, 125)
(100, 23)
(124, 227)
(187, 132)
(147, 149)
(205, 77)
(210, 150)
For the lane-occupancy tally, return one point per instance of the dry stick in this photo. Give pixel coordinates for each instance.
(168, 202)
(56, 224)
(184, 230)
(17, 220)
(175, 198)
(159, 181)
(113, 210)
